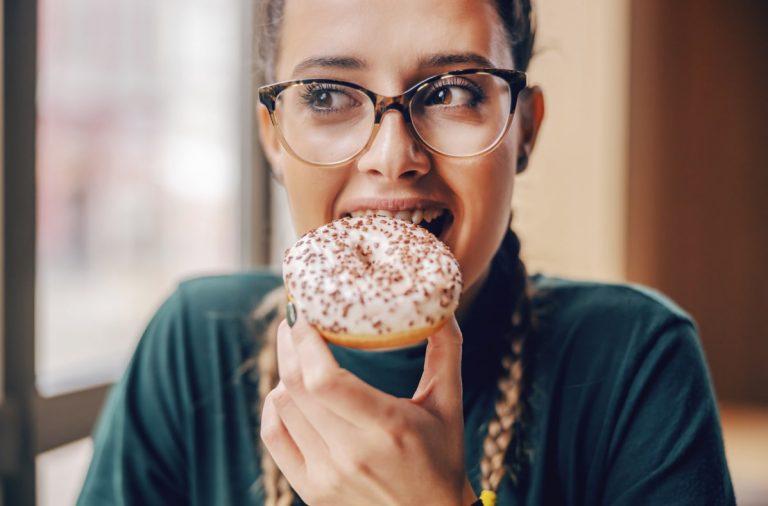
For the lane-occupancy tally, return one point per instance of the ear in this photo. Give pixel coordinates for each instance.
(530, 107)
(270, 142)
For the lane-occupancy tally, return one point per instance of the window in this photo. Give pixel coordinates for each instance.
(132, 167)
(138, 169)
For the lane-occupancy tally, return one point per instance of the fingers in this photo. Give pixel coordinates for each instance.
(279, 443)
(440, 386)
(305, 437)
(313, 354)
(334, 429)
(337, 389)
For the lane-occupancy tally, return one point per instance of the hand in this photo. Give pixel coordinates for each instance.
(340, 441)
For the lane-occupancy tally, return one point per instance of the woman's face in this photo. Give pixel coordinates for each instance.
(392, 39)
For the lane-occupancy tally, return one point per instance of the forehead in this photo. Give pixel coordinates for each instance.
(391, 41)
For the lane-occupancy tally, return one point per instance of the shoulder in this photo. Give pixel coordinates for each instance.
(622, 390)
(184, 381)
(606, 312)
(201, 307)
(206, 320)
(597, 330)
(583, 299)
(226, 294)
(214, 315)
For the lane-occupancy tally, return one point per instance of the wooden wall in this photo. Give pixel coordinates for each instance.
(698, 175)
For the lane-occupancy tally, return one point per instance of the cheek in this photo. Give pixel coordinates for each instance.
(490, 193)
(312, 192)
(484, 192)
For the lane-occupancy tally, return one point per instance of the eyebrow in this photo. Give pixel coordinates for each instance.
(335, 62)
(354, 63)
(442, 59)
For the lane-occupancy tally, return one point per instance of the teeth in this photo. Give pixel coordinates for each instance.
(414, 216)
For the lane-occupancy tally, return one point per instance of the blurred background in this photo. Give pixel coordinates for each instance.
(129, 163)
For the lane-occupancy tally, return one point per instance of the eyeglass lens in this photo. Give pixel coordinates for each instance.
(329, 123)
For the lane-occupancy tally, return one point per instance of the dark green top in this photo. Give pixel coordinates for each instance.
(622, 408)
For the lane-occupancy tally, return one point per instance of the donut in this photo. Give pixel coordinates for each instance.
(372, 281)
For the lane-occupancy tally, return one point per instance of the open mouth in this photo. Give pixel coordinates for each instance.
(439, 225)
(436, 221)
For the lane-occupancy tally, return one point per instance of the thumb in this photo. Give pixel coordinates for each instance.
(439, 389)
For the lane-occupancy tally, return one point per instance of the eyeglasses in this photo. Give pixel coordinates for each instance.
(460, 114)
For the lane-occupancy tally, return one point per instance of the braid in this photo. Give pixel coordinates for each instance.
(270, 311)
(505, 427)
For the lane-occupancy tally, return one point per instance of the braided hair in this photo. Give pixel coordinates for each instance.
(505, 450)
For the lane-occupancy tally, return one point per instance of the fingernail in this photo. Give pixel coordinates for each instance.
(290, 314)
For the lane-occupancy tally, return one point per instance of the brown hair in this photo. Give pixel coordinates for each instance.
(504, 449)
(517, 16)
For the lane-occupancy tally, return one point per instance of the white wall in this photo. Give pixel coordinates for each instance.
(569, 205)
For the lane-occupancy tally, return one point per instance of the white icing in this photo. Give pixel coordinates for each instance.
(372, 275)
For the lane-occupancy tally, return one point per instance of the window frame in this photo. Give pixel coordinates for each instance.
(17, 420)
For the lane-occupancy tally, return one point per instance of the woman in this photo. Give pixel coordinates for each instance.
(541, 391)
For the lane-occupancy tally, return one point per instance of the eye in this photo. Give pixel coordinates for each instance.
(449, 95)
(325, 97)
(454, 92)
(322, 98)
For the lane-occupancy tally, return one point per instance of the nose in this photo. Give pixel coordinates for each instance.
(394, 153)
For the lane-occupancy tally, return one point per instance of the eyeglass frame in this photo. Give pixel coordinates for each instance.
(516, 80)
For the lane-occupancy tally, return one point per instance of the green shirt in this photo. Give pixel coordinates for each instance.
(621, 404)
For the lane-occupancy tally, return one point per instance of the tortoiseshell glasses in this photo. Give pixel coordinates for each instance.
(327, 122)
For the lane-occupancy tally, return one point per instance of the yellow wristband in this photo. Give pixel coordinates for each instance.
(488, 498)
